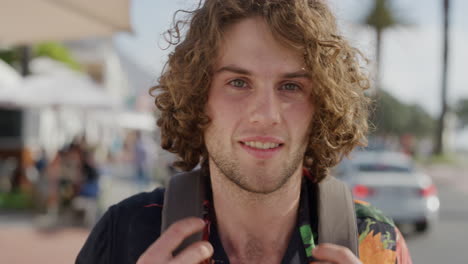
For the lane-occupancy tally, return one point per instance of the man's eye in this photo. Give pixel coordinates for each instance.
(290, 87)
(238, 83)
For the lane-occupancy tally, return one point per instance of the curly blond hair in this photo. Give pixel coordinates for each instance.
(341, 107)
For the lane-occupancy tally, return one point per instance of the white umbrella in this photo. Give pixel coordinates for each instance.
(9, 79)
(137, 121)
(8, 75)
(63, 89)
(54, 84)
(30, 21)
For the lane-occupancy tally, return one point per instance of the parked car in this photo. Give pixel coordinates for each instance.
(391, 182)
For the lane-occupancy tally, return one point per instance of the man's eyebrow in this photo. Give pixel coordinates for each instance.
(298, 74)
(234, 69)
(239, 70)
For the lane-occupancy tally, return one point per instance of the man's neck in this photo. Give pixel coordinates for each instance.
(255, 228)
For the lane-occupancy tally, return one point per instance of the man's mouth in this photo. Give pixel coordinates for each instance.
(261, 145)
(261, 149)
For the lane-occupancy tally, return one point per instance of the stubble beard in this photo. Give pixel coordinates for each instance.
(231, 169)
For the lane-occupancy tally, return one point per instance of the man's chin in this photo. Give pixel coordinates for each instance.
(261, 190)
(262, 186)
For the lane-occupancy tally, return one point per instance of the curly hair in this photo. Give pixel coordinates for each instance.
(308, 26)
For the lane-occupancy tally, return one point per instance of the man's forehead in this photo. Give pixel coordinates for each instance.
(250, 45)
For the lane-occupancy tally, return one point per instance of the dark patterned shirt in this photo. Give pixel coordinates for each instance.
(130, 227)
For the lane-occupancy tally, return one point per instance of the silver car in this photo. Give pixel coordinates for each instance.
(391, 182)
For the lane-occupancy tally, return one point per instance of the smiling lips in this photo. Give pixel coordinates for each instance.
(261, 149)
(261, 145)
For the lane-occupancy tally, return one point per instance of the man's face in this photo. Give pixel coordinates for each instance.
(260, 109)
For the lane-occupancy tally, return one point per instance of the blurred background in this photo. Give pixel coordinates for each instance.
(78, 133)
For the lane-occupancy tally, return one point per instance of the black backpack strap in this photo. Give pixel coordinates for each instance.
(337, 217)
(183, 198)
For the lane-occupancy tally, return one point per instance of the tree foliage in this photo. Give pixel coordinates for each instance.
(381, 16)
(53, 50)
(57, 52)
(9, 56)
(393, 117)
(461, 109)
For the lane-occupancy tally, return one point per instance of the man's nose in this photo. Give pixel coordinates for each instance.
(265, 107)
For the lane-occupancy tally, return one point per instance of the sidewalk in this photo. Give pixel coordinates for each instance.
(21, 244)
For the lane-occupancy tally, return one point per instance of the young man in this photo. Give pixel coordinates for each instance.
(266, 96)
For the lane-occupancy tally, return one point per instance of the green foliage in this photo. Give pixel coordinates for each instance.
(370, 212)
(51, 50)
(57, 52)
(15, 200)
(381, 16)
(461, 109)
(9, 55)
(420, 123)
(443, 159)
(392, 117)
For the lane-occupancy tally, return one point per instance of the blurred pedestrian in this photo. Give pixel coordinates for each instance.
(86, 201)
(140, 160)
(41, 183)
(41, 160)
(63, 174)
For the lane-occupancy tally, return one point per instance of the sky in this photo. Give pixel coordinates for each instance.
(411, 56)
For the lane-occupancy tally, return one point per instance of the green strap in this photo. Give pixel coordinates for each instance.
(307, 239)
(304, 221)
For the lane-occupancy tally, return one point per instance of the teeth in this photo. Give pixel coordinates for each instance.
(261, 145)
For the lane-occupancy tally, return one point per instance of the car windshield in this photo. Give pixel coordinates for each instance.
(375, 161)
(382, 168)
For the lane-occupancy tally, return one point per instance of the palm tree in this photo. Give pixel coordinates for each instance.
(439, 147)
(380, 17)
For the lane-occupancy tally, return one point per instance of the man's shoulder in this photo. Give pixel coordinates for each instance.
(153, 199)
(380, 241)
(372, 221)
(136, 217)
(140, 212)
(126, 230)
(365, 210)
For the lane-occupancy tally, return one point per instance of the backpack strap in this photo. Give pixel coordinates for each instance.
(185, 193)
(337, 217)
(183, 198)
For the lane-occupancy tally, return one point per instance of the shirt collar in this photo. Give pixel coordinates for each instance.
(302, 240)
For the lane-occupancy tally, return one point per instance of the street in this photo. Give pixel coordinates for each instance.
(446, 242)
